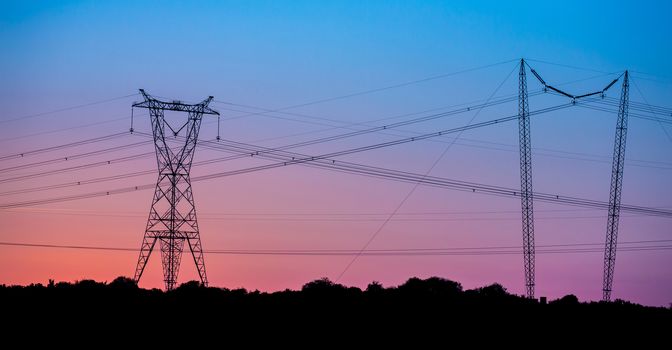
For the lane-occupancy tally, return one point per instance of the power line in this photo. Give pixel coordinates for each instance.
(375, 129)
(74, 156)
(669, 138)
(313, 158)
(302, 115)
(295, 145)
(63, 146)
(75, 168)
(307, 213)
(14, 138)
(303, 160)
(455, 251)
(415, 186)
(80, 182)
(614, 104)
(346, 125)
(359, 93)
(570, 66)
(311, 142)
(631, 114)
(324, 162)
(369, 91)
(352, 217)
(66, 109)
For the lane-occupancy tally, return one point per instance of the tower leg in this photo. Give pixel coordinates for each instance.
(197, 253)
(145, 251)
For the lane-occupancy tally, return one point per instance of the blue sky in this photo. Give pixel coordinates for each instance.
(303, 44)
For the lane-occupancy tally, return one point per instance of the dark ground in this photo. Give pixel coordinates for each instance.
(433, 308)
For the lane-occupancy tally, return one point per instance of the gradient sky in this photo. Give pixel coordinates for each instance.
(273, 54)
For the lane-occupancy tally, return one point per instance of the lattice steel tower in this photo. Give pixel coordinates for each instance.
(615, 191)
(172, 218)
(525, 144)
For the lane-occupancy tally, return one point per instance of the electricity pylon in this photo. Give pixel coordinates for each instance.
(172, 217)
(615, 190)
(525, 144)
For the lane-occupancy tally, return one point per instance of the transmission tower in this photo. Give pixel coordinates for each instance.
(526, 180)
(172, 217)
(615, 191)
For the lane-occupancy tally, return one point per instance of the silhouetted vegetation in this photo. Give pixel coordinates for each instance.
(430, 303)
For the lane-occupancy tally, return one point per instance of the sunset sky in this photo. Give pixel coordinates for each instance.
(70, 70)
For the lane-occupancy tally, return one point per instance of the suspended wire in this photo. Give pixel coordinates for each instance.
(435, 182)
(295, 145)
(134, 174)
(540, 91)
(66, 108)
(75, 156)
(401, 123)
(645, 107)
(327, 217)
(266, 110)
(76, 167)
(659, 81)
(630, 114)
(377, 172)
(404, 177)
(270, 166)
(599, 101)
(347, 125)
(370, 91)
(60, 147)
(359, 93)
(607, 158)
(366, 171)
(632, 162)
(421, 136)
(651, 74)
(305, 143)
(308, 213)
(669, 138)
(654, 114)
(383, 127)
(415, 185)
(41, 133)
(341, 136)
(569, 66)
(458, 251)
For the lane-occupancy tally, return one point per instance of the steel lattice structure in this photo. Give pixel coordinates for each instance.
(615, 191)
(172, 217)
(526, 180)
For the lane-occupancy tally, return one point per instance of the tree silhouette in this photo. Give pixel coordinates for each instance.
(375, 287)
(122, 282)
(494, 290)
(322, 286)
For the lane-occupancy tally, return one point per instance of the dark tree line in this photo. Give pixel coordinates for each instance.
(426, 305)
